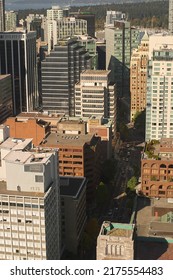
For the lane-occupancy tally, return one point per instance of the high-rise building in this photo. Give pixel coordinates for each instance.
(56, 13)
(35, 22)
(170, 27)
(29, 203)
(138, 77)
(95, 95)
(121, 39)
(89, 44)
(18, 58)
(2, 15)
(90, 18)
(6, 104)
(159, 107)
(60, 71)
(11, 20)
(112, 16)
(68, 27)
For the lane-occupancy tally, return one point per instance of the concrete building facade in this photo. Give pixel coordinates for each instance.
(115, 242)
(29, 204)
(159, 114)
(11, 20)
(138, 77)
(96, 95)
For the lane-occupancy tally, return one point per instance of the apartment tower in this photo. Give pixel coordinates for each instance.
(159, 107)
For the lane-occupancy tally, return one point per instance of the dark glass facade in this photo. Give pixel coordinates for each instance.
(18, 58)
(60, 71)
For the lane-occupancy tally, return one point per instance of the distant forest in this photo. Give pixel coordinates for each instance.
(150, 14)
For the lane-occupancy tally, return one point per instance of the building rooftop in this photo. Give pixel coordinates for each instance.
(152, 218)
(55, 139)
(71, 186)
(96, 72)
(162, 149)
(4, 191)
(117, 229)
(15, 143)
(21, 157)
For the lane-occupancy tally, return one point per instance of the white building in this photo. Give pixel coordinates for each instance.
(56, 13)
(159, 108)
(68, 27)
(95, 95)
(29, 203)
(112, 16)
(10, 20)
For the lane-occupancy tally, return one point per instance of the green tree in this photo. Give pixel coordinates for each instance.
(131, 184)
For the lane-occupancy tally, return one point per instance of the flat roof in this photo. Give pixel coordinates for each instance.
(96, 72)
(147, 220)
(4, 191)
(71, 186)
(15, 143)
(21, 157)
(117, 229)
(55, 139)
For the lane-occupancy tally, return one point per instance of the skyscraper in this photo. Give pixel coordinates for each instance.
(170, 27)
(138, 77)
(59, 72)
(18, 58)
(159, 107)
(11, 20)
(121, 39)
(95, 95)
(2, 15)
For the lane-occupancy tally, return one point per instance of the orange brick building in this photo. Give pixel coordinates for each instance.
(157, 170)
(29, 128)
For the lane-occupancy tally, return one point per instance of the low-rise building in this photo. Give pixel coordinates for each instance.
(29, 204)
(157, 169)
(115, 242)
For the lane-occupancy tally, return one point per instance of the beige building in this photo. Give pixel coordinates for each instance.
(115, 242)
(73, 209)
(138, 77)
(29, 203)
(96, 95)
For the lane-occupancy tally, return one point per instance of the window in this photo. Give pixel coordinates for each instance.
(38, 179)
